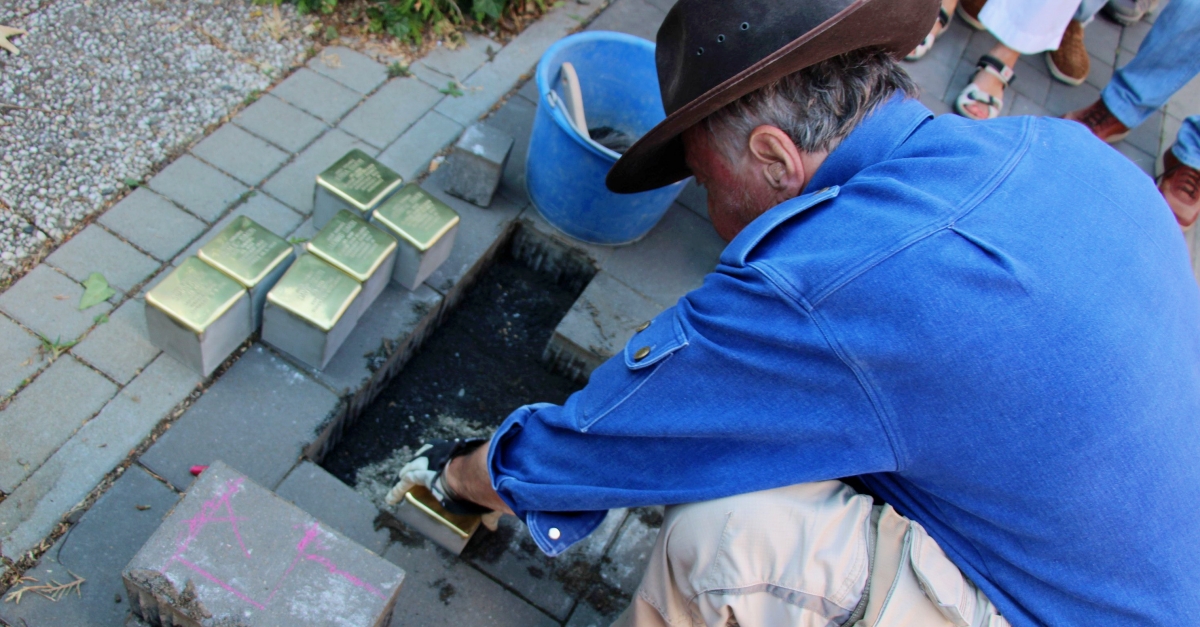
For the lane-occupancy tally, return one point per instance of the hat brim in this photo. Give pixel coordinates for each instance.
(657, 158)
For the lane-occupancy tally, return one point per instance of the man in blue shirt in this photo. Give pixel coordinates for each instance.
(993, 325)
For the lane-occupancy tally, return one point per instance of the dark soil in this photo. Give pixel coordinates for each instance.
(484, 362)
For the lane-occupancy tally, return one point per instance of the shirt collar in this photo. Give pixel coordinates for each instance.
(876, 137)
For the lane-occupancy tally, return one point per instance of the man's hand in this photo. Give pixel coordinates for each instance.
(428, 468)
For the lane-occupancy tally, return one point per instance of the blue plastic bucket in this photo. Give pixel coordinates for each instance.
(564, 173)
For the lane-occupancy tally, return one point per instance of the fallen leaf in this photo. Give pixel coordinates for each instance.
(5, 33)
(61, 297)
(142, 508)
(96, 291)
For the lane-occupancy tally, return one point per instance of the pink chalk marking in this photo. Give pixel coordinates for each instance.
(301, 549)
(234, 591)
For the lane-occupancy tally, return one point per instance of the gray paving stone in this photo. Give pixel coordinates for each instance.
(98, 547)
(270, 213)
(280, 123)
(1024, 106)
(477, 162)
(152, 223)
(1148, 134)
(936, 106)
(529, 91)
(265, 561)
(553, 245)
(380, 119)
(597, 326)
(45, 414)
(1170, 133)
(1102, 38)
(950, 46)
(21, 356)
(481, 232)
(48, 303)
(326, 99)
(1099, 73)
(980, 43)
(931, 75)
(510, 556)
(410, 154)
(695, 197)
(1141, 158)
(587, 616)
(237, 152)
(95, 250)
(443, 64)
(350, 68)
(672, 259)
(258, 416)
(665, 5)
(1034, 82)
(1132, 36)
(635, 17)
(1064, 98)
(1186, 101)
(294, 183)
(334, 503)
(630, 551)
(480, 92)
(121, 347)
(442, 591)
(515, 119)
(198, 187)
(31, 512)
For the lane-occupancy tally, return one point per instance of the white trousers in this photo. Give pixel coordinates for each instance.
(808, 555)
(1028, 26)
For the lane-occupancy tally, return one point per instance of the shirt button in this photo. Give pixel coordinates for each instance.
(641, 353)
(554, 533)
(642, 327)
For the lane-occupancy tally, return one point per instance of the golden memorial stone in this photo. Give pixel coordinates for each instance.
(425, 227)
(198, 315)
(362, 251)
(310, 311)
(356, 183)
(251, 255)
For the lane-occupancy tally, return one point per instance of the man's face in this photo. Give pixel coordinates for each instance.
(737, 193)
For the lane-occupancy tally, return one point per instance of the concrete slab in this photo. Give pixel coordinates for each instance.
(22, 357)
(381, 118)
(1024, 106)
(1102, 38)
(597, 326)
(695, 197)
(270, 213)
(152, 223)
(514, 118)
(280, 123)
(121, 347)
(640, 18)
(294, 183)
(233, 552)
(240, 154)
(625, 561)
(324, 98)
(671, 260)
(95, 250)
(933, 75)
(48, 303)
(259, 415)
(350, 68)
(1035, 81)
(1064, 98)
(455, 64)
(1148, 134)
(201, 189)
(30, 512)
(1139, 157)
(103, 541)
(410, 154)
(477, 162)
(335, 504)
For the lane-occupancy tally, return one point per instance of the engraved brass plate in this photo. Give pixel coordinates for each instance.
(352, 245)
(246, 251)
(315, 291)
(195, 294)
(421, 498)
(359, 180)
(416, 216)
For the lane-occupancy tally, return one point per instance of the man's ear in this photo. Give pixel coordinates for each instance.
(777, 159)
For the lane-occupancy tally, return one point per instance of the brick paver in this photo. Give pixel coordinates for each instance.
(280, 123)
(335, 504)
(21, 356)
(200, 188)
(240, 154)
(387, 113)
(48, 303)
(96, 250)
(294, 183)
(121, 347)
(350, 68)
(410, 154)
(152, 223)
(263, 209)
(325, 98)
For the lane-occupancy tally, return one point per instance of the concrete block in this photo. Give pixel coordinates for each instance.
(630, 551)
(936, 106)
(380, 119)
(275, 216)
(411, 153)
(335, 504)
(152, 224)
(75, 469)
(515, 119)
(510, 556)
(121, 347)
(424, 228)
(105, 539)
(441, 591)
(569, 262)
(311, 311)
(980, 42)
(231, 552)
(481, 234)
(259, 415)
(476, 164)
(1102, 38)
(198, 187)
(671, 260)
(48, 303)
(198, 316)
(587, 616)
(45, 414)
(355, 183)
(1184, 102)
(97, 250)
(640, 18)
(597, 327)
(22, 357)
(1170, 132)
(350, 68)
(280, 123)
(240, 154)
(293, 184)
(324, 98)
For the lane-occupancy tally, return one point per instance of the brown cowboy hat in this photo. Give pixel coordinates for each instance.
(712, 52)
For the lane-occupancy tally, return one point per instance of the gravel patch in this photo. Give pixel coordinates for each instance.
(112, 90)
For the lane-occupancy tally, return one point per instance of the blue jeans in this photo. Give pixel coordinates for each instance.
(1168, 58)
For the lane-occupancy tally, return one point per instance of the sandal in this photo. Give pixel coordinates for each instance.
(943, 20)
(973, 94)
(969, 10)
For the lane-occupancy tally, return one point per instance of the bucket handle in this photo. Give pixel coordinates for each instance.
(557, 107)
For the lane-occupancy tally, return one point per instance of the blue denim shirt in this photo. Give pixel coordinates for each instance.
(995, 324)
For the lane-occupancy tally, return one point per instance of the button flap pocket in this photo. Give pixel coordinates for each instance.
(941, 580)
(654, 343)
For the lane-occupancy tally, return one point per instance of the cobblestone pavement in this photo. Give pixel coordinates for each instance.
(79, 401)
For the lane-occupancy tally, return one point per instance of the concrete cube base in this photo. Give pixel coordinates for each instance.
(307, 343)
(326, 205)
(373, 287)
(477, 164)
(201, 352)
(233, 553)
(258, 293)
(414, 266)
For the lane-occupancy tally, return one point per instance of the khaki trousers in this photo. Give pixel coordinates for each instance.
(814, 554)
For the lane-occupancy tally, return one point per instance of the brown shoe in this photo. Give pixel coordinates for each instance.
(1180, 186)
(1070, 63)
(969, 10)
(1100, 121)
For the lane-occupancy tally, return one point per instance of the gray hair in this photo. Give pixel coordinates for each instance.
(817, 107)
